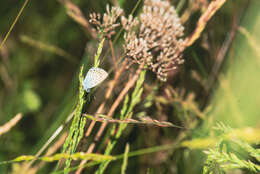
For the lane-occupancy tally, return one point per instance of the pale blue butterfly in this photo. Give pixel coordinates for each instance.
(94, 77)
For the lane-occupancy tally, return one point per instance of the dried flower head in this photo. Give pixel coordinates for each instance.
(108, 23)
(157, 43)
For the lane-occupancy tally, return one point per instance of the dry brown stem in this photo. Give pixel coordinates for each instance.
(213, 76)
(75, 13)
(107, 95)
(127, 87)
(212, 9)
(113, 54)
(7, 126)
(142, 120)
(193, 7)
(5, 77)
(101, 107)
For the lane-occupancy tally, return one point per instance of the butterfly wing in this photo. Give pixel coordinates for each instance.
(94, 77)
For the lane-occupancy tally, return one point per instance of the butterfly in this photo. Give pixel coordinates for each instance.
(94, 77)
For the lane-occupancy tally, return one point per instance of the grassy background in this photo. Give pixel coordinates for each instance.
(42, 84)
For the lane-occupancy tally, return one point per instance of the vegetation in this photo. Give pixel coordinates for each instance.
(181, 96)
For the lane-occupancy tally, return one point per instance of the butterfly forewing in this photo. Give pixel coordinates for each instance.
(94, 77)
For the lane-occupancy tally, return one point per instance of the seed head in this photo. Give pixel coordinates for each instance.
(157, 42)
(107, 25)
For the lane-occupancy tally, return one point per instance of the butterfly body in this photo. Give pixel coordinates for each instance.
(94, 77)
